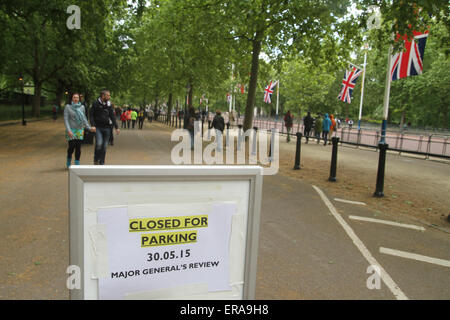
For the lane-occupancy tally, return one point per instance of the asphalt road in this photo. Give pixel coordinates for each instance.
(309, 246)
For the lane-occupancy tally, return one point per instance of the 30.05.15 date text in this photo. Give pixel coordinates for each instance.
(168, 255)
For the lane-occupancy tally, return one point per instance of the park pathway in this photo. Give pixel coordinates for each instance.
(311, 245)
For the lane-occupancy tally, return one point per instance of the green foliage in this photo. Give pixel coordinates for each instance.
(160, 51)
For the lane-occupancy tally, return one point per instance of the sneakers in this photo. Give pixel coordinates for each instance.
(95, 163)
(77, 162)
(69, 162)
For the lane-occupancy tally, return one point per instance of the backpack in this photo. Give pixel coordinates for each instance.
(220, 123)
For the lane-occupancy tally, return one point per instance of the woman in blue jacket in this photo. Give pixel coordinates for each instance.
(75, 122)
(326, 128)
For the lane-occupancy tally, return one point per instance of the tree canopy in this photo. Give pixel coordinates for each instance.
(173, 52)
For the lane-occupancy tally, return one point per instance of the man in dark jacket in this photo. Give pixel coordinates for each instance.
(189, 124)
(101, 114)
(308, 123)
(288, 122)
(218, 124)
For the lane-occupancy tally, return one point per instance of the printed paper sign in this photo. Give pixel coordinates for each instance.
(166, 250)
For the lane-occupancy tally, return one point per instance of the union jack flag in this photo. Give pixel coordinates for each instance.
(409, 62)
(268, 91)
(348, 84)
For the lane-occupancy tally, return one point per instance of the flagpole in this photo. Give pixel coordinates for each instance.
(387, 90)
(362, 87)
(278, 94)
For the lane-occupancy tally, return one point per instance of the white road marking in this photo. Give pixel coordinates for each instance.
(414, 256)
(391, 223)
(349, 201)
(396, 291)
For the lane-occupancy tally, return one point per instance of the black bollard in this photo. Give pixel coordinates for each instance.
(270, 144)
(334, 141)
(380, 174)
(298, 150)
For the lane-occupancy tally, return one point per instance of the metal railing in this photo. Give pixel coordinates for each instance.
(428, 145)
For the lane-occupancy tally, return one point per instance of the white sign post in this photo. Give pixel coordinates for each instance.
(165, 232)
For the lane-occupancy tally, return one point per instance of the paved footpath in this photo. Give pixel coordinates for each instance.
(309, 247)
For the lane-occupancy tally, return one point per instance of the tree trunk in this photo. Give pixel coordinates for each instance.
(58, 99)
(156, 96)
(59, 95)
(169, 105)
(87, 98)
(248, 118)
(190, 95)
(402, 119)
(37, 99)
(444, 116)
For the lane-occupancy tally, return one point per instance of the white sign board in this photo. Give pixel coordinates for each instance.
(165, 232)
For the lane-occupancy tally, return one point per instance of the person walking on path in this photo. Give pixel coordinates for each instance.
(308, 123)
(54, 112)
(100, 115)
(133, 118)
(333, 125)
(150, 115)
(128, 118)
(218, 123)
(326, 128)
(123, 118)
(141, 117)
(189, 123)
(75, 122)
(288, 122)
(318, 127)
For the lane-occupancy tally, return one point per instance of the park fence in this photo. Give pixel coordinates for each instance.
(428, 145)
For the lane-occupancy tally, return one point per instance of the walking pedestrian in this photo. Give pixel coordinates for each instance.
(100, 115)
(150, 115)
(123, 118)
(133, 118)
(75, 122)
(141, 117)
(333, 125)
(128, 118)
(318, 127)
(326, 128)
(350, 123)
(218, 124)
(54, 112)
(189, 122)
(288, 122)
(308, 123)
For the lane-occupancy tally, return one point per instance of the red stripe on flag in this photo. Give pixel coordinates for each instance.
(405, 57)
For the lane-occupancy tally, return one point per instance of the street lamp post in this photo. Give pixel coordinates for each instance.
(24, 123)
